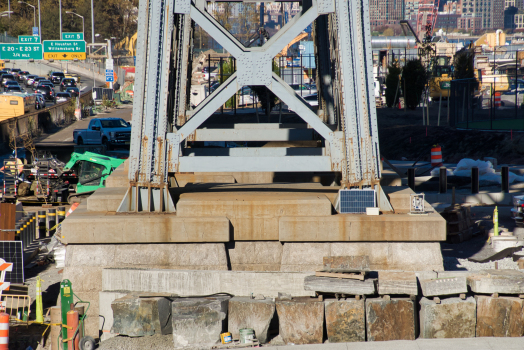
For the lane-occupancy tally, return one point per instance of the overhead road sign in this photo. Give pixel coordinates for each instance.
(29, 39)
(21, 51)
(64, 50)
(35, 31)
(73, 36)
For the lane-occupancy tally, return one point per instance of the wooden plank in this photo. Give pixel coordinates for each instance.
(340, 285)
(7, 221)
(355, 276)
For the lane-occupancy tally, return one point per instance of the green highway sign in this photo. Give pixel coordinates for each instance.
(73, 36)
(29, 39)
(21, 51)
(64, 50)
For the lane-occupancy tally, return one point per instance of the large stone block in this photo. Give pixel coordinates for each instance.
(345, 320)
(301, 321)
(444, 286)
(497, 281)
(198, 321)
(255, 255)
(106, 321)
(137, 317)
(245, 312)
(253, 215)
(452, 318)
(106, 199)
(90, 255)
(340, 285)
(346, 263)
(499, 317)
(84, 279)
(391, 282)
(392, 319)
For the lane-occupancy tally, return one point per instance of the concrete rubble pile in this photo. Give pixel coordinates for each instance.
(354, 305)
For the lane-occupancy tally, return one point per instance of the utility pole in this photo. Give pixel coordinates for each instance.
(40, 23)
(92, 24)
(60, 15)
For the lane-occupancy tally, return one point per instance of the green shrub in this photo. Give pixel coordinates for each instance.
(392, 79)
(414, 79)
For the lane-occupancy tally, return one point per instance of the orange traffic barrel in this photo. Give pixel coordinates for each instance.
(498, 99)
(4, 331)
(436, 156)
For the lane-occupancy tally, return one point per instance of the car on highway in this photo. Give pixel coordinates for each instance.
(7, 77)
(40, 101)
(210, 72)
(22, 75)
(62, 96)
(37, 80)
(14, 70)
(29, 79)
(46, 91)
(108, 131)
(56, 77)
(67, 82)
(45, 81)
(11, 83)
(73, 91)
(304, 89)
(13, 88)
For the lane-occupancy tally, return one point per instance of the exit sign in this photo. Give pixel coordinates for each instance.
(29, 39)
(73, 36)
(21, 51)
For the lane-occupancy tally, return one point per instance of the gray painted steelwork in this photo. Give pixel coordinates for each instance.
(393, 42)
(163, 121)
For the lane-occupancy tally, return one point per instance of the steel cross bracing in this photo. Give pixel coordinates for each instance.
(162, 119)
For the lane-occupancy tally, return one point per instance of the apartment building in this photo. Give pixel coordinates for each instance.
(385, 12)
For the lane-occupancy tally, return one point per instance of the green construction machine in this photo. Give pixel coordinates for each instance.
(90, 171)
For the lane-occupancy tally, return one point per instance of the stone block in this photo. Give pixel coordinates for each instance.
(253, 215)
(106, 322)
(346, 263)
(106, 199)
(184, 179)
(92, 320)
(390, 282)
(84, 279)
(345, 320)
(245, 312)
(444, 286)
(340, 285)
(255, 256)
(90, 255)
(137, 317)
(118, 178)
(392, 319)
(198, 321)
(452, 318)
(453, 274)
(499, 317)
(497, 281)
(202, 282)
(301, 321)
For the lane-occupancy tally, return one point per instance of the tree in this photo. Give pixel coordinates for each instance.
(463, 64)
(389, 32)
(392, 88)
(414, 78)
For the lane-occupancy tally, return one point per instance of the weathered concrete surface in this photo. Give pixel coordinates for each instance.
(444, 286)
(392, 282)
(255, 255)
(106, 199)
(198, 321)
(86, 227)
(194, 282)
(258, 177)
(137, 317)
(245, 312)
(453, 274)
(340, 285)
(355, 228)
(452, 318)
(497, 281)
(346, 263)
(184, 179)
(118, 178)
(345, 320)
(105, 310)
(253, 215)
(301, 321)
(392, 319)
(405, 256)
(499, 317)
(84, 265)
(399, 198)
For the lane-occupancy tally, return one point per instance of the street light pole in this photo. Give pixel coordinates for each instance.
(39, 22)
(76, 14)
(60, 13)
(34, 11)
(92, 24)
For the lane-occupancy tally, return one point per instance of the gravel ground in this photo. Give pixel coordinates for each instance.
(156, 342)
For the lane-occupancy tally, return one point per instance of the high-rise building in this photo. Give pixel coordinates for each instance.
(385, 12)
(491, 12)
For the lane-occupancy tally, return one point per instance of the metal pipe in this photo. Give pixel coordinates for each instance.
(505, 179)
(393, 42)
(443, 180)
(474, 180)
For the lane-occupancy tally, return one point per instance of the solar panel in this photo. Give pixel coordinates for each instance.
(11, 252)
(356, 201)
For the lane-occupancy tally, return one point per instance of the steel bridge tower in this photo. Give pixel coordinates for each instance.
(163, 121)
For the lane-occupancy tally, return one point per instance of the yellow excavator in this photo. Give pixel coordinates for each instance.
(128, 44)
(297, 39)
